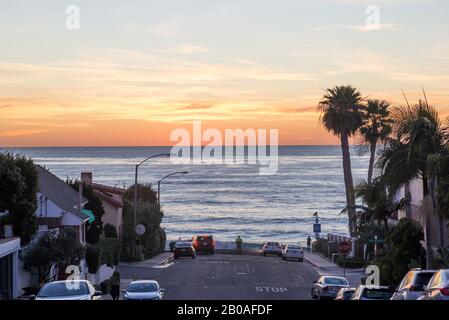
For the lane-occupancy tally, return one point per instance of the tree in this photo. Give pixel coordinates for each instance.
(342, 116)
(150, 215)
(52, 252)
(379, 204)
(376, 127)
(418, 135)
(94, 204)
(19, 184)
(404, 251)
(110, 231)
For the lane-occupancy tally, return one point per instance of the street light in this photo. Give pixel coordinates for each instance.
(159, 184)
(135, 182)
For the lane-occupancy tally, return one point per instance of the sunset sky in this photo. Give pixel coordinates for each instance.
(136, 70)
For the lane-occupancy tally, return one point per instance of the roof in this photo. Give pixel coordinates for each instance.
(59, 192)
(106, 193)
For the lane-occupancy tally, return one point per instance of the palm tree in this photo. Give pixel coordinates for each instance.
(418, 134)
(376, 127)
(341, 115)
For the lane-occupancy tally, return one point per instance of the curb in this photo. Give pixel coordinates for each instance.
(166, 260)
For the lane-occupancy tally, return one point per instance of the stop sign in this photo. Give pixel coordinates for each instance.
(344, 247)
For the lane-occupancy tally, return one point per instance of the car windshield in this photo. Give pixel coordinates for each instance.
(183, 245)
(64, 289)
(381, 294)
(207, 239)
(273, 244)
(335, 281)
(423, 278)
(294, 247)
(348, 294)
(143, 287)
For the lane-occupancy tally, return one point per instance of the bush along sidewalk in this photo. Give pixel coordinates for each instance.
(351, 262)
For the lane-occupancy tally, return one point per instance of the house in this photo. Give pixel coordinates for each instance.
(10, 287)
(58, 205)
(112, 200)
(414, 209)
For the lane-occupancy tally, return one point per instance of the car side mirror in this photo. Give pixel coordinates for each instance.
(123, 290)
(161, 290)
(97, 293)
(32, 297)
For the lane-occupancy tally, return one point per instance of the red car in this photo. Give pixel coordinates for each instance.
(205, 244)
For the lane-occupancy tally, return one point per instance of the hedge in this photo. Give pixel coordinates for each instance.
(353, 262)
(106, 251)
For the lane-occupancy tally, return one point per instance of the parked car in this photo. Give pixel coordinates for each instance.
(272, 248)
(68, 290)
(412, 286)
(328, 287)
(293, 252)
(184, 249)
(204, 244)
(364, 292)
(143, 290)
(345, 294)
(438, 286)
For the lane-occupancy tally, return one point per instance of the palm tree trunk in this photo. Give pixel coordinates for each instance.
(371, 160)
(427, 231)
(349, 185)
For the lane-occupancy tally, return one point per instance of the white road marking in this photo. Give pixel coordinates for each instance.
(271, 289)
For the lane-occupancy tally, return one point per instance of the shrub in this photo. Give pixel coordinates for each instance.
(105, 286)
(352, 262)
(404, 251)
(110, 231)
(109, 251)
(92, 258)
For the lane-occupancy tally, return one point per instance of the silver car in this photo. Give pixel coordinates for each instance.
(68, 290)
(438, 286)
(328, 287)
(371, 292)
(412, 286)
(143, 290)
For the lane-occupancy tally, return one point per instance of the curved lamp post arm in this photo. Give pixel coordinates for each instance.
(159, 183)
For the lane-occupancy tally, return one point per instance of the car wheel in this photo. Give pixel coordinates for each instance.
(284, 258)
(300, 260)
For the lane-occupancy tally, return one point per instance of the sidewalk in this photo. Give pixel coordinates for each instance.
(324, 267)
(160, 259)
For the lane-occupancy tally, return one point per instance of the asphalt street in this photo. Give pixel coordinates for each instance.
(226, 276)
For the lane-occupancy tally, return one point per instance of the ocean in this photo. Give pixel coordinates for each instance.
(224, 199)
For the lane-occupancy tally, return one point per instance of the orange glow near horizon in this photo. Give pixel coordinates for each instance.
(135, 71)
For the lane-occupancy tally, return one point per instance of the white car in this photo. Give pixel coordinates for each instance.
(272, 247)
(68, 290)
(438, 286)
(292, 251)
(413, 284)
(327, 287)
(143, 290)
(372, 292)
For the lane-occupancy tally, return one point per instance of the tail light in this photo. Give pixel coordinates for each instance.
(445, 291)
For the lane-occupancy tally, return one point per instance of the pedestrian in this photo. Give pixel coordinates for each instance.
(309, 242)
(115, 286)
(238, 242)
(172, 245)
